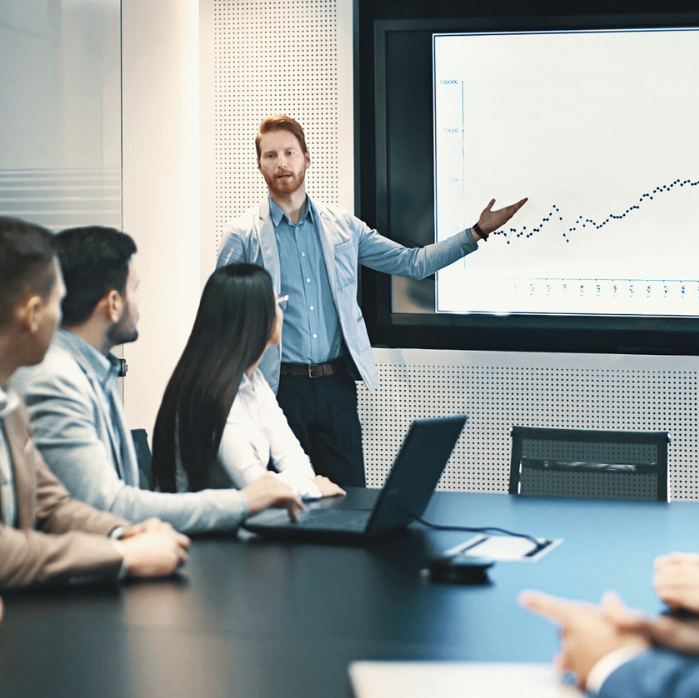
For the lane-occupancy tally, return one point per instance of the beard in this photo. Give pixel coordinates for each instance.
(287, 185)
(123, 331)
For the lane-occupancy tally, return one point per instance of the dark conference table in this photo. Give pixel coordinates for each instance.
(256, 618)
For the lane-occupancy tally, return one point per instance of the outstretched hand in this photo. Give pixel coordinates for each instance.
(491, 220)
(587, 634)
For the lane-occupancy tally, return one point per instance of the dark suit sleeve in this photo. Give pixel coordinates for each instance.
(656, 673)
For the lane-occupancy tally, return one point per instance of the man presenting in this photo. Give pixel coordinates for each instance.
(312, 252)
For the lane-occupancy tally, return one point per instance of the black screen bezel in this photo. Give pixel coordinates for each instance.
(552, 333)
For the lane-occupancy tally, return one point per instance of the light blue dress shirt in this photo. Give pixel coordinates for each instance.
(311, 328)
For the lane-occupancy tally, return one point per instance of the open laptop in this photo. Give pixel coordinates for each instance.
(405, 495)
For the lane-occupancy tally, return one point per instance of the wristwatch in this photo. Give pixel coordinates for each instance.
(480, 232)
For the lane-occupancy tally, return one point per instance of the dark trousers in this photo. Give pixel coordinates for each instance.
(322, 412)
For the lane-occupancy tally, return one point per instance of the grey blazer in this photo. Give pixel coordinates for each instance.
(79, 441)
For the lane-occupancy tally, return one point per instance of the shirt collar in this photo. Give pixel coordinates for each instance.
(249, 384)
(277, 214)
(104, 368)
(9, 401)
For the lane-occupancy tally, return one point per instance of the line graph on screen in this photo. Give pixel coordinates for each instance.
(599, 130)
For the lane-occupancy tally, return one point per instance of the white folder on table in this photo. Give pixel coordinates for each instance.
(457, 680)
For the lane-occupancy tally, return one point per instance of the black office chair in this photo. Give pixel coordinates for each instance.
(144, 457)
(589, 463)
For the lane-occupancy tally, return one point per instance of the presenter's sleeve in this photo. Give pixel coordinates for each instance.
(655, 673)
(66, 435)
(380, 253)
(232, 247)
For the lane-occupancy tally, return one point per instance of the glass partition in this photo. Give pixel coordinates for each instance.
(60, 112)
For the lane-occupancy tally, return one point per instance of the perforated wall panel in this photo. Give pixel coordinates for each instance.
(498, 390)
(294, 56)
(275, 56)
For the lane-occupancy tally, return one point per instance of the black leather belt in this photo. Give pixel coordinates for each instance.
(329, 368)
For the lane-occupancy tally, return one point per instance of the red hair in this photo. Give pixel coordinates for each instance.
(280, 122)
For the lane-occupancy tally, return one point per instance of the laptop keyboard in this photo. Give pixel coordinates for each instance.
(343, 519)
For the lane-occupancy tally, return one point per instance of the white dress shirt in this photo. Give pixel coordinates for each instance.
(604, 667)
(9, 402)
(256, 431)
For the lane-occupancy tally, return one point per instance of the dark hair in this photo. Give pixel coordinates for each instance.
(95, 260)
(27, 264)
(233, 324)
(279, 122)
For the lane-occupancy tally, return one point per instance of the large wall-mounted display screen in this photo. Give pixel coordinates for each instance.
(594, 119)
(600, 130)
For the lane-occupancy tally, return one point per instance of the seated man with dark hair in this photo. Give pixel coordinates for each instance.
(77, 417)
(45, 536)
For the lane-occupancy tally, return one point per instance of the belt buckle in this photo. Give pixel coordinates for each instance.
(310, 371)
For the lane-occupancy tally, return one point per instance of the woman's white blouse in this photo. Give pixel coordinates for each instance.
(256, 430)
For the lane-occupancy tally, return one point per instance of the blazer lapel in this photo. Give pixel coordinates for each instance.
(268, 245)
(326, 242)
(99, 397)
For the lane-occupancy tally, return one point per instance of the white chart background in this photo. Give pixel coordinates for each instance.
(584, 124)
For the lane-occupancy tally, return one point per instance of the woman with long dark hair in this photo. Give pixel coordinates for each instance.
(219, 424)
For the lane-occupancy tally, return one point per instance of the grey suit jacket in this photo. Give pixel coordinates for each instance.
(347, 242)
(77, 548)
(76, 435)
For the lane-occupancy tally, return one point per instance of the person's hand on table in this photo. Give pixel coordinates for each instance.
(661, 631)
(587, 634)
(676, 580)
(154, 553)
(154, 525)
(270, 491)
(491, 220)
(327, 487)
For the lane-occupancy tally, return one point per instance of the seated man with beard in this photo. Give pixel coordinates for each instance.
(77, 415)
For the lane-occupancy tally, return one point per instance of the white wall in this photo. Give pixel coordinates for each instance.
(160, 44)
(172, 54)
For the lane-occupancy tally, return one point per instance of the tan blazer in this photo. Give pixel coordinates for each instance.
(57, 539)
